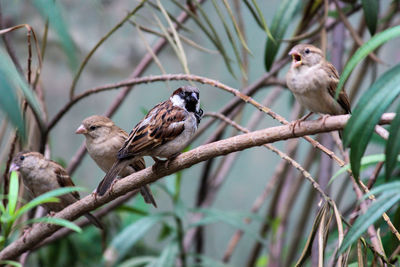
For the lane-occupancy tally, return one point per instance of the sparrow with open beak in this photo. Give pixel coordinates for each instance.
(313, 82)
(103, 141)
(164, 132)
(41, 175)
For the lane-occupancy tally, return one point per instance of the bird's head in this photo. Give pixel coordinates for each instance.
(305, 55)
(26, 162)
(187, 97)
(95, 126)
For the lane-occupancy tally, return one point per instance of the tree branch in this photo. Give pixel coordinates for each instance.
(183, 161)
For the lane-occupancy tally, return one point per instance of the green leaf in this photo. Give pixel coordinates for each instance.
(362, 223)
(138, 261)
(234, 219)
(45, 198)
(366, 161)
(9, 102)
(371, 11)
(126, 208)
(282, 18)
(230, 38)
(12, 79)
(13, 193)
(393, 145)
(57, 221)
(367, 113)
(212, 36)
(51, 10)
(125, 239)
(393, 186)
(12, 263)
(364, 50)
(168, 255)
(262, 19)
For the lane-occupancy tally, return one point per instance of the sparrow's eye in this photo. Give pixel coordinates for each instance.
(307, 51)
(92, 128)
(22, 157)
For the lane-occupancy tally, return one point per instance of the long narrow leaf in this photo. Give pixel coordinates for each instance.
(264, 23)
(168, 255)
(44, 198)
(9, 103)
(138, 261)
(57, 221)
(211, 35)
(9, 73)
(366, 161)
(124, 241)
(371, 11)
(393, 186)
(364, 50)
(11, 263)
(393, 145)
(231, 40)
(362, 223)
(236, 26)
(282, 18)
(307, 248)
(13, 193)
(231, 218)
(360, 127)
(52, 11)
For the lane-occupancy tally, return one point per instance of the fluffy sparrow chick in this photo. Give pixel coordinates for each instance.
(103, 141)
(41, 175)
(313, 81)
(164, 132)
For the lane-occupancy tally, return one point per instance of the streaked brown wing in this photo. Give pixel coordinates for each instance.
(343, 99)
(163, 123)
(63, 179)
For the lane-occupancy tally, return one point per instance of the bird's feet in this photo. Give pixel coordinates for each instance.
(323, 118)
(299, 121)
(112, 185)
(165, 162)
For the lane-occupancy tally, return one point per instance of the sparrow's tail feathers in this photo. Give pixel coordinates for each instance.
(147, 195)
(94, 220)
(107, 181)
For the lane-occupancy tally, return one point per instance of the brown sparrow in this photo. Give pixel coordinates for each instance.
(164, 132)
(41, 175)
(313, 81)
(103, 141)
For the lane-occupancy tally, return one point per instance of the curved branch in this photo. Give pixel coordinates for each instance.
(155, 78)
(183, 161)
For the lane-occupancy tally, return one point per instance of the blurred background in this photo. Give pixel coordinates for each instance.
(81, 25)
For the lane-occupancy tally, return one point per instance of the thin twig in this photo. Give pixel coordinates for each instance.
(94, 49)
(353, 33)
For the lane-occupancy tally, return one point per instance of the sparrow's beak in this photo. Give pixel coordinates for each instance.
(81, 130)
(194, 95)
(296, 58)
(14, 167)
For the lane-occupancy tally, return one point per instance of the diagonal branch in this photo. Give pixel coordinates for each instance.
(183, 161)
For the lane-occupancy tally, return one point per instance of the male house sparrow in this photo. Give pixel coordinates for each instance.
(164, 132)
(41, 175)
(313, 81)
(103, 141)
